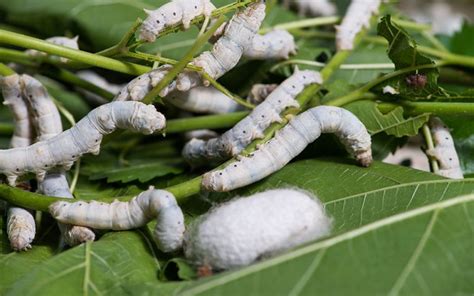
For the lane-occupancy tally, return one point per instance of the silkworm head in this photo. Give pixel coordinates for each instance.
(55, 208)
(147, 120)
(215, 181)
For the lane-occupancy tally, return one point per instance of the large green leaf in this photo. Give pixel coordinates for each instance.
(393, 123)
(97, 268)
(422, 251)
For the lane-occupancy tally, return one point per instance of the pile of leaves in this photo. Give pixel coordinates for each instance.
(397, 230)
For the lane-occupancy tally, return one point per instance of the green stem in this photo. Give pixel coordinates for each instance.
(88, 58)
(311, 22)
(6, 128)
(438, 108)
(204, 122)
(200, 42)
(122, 44)
(360, 92)
(20, 57)
(5, 70)
(430, 145)
(411, 25)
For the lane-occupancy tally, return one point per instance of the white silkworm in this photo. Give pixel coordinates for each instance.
(244, 230)
(47, 122)
(172, 13)
(357, 17)
(21, 228)
(203, 99)
(139, 87)
(276, 44)
(159, 204)
(290, 141)
(313, 7)
(85, 137)
(99, 81)
(253, 126)
(12, 95)
(58, 40)
(444, 151)
(228, 49)
(46, 118)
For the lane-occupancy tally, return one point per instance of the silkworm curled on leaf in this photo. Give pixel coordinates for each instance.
(290, 141)
(173, 13)
(253, 126)
(228, 49)
(357, 17)
(276, 44)
(444, 151)
(58, 40)
(12, 96)
(247, 229)
(150, 204)
(85, 137)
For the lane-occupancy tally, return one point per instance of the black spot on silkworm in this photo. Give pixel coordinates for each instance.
(235, 165)
(174, 13)
(446, 138)
(157, 21)
(220, 174)
(195, 7)
(293, 86)
(417, 81)
(244, 132)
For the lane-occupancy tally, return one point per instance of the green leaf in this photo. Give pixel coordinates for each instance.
(403, 253)
(460, 41)
(393, 123)
(141, 172)
(403, 53)
(177, 269)
(102, 267)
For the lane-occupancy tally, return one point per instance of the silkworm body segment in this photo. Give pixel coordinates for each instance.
(444, 151)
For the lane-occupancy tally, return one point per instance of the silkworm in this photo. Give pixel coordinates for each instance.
(46, 118)
(202, 99)
(99, 81)
(139, 87)
(58, 40)
(153, 203)
(444, 151)
(244, 230)
(290, 141)
(276, 44)
(172, 13)
(253, 126)
(313, 7)
(85, 137)
(21, 228)
(228, 49)
(47, 122)
(357, 17)
(12, 95)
